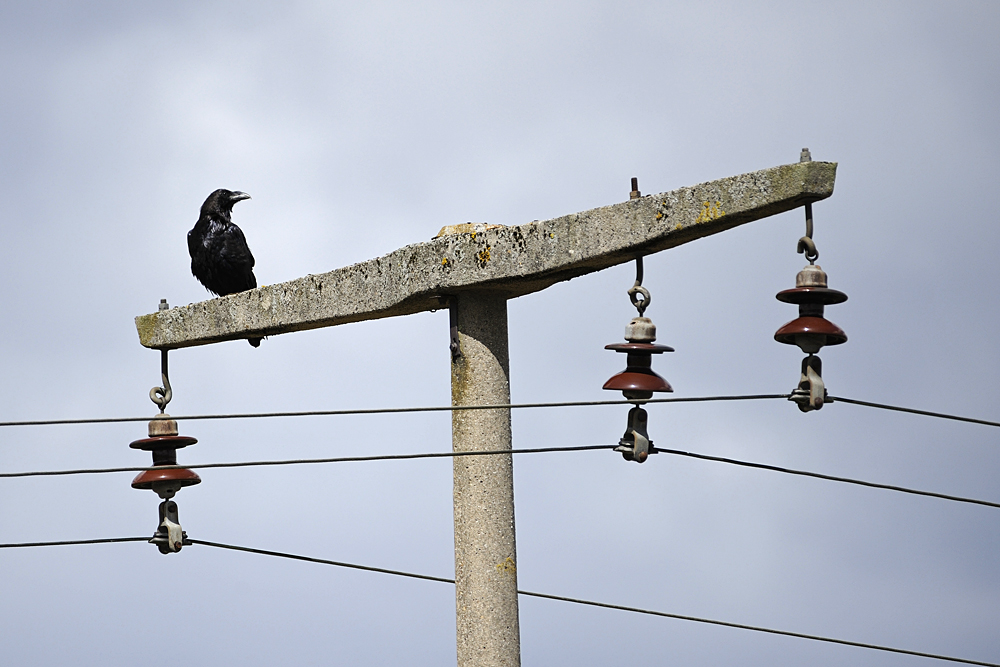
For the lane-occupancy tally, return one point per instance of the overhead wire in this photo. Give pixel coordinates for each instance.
(912, 411)
(754, 628)
(380, 411)
(546, 596)
(535, 450)
(63, 543)
(509, 406)
(338, 459)
(605, 605)
(832, 478)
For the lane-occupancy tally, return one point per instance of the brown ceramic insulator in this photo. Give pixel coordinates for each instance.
(811, 295)
(648, 348)
(824, 331)
(177, 476)
(163, 442)
(636, 379)
(164, 457)
(162, 424)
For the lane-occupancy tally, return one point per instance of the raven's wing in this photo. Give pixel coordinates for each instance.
(234, 248)
(235, 260)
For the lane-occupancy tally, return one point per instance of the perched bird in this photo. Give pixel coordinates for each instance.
(220, 257)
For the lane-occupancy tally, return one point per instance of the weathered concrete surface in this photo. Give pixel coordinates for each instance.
(487, 630)
(511, 261)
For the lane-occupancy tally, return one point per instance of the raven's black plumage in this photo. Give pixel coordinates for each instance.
(220, 257)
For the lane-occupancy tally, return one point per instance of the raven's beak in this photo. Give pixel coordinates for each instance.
(239, 196)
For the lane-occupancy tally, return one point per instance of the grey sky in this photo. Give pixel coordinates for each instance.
(359, 129)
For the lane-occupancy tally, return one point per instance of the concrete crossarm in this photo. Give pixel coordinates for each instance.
(512, 260)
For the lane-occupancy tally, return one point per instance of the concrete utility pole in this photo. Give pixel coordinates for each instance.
(473, 271)
(485, 554)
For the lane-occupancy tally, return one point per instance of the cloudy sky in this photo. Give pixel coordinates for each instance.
(359, 128)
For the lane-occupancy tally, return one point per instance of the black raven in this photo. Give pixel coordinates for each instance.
(220, 257)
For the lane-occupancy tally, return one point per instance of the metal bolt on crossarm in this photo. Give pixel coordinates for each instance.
(810, 331)
(638, 381)
(634, 194)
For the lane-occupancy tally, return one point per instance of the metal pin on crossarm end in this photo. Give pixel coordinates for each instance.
(806, 244)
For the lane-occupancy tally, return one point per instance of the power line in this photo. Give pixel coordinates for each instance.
(537, 450)
(606, 605)
(379, 411)
(63, 543)
(755, 628)
(339, 459)
(547, 596)
(324, 561)
(510, 406)
(896, 408)
(832, 478)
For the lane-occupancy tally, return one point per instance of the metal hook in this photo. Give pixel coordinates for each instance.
(162, 395)
(806, 244)
(637, 289)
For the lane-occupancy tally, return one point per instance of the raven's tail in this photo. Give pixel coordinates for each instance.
(255, 342)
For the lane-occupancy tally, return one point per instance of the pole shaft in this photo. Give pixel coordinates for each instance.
(485, 556)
